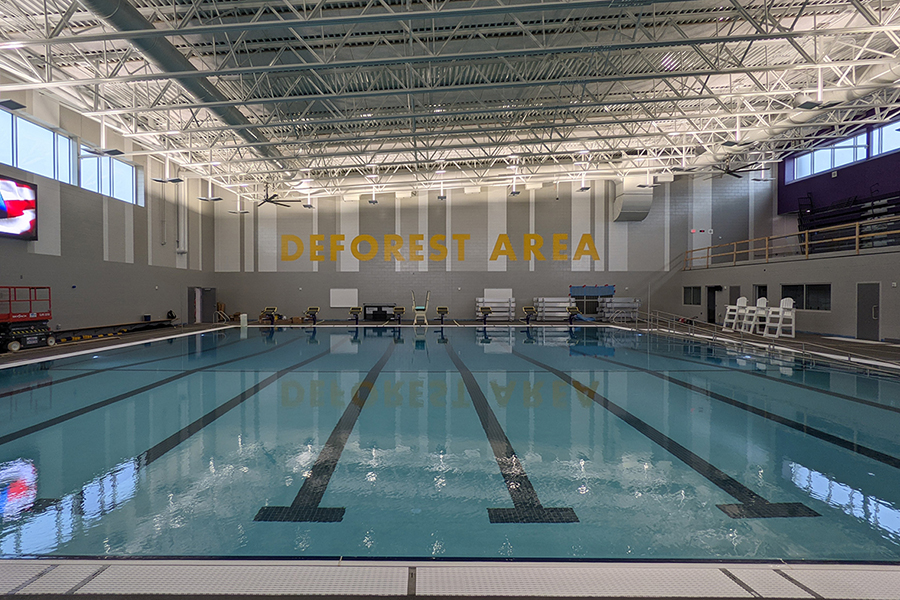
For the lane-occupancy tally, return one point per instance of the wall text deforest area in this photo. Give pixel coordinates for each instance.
(412, 248)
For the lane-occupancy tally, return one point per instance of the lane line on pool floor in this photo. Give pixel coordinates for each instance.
(887, 459)
(527, 507)
(803, 386)
(124, 396)
(305, 507)
(752, 505)
(160, 449)
(83, 373)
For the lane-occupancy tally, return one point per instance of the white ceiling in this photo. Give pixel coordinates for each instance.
(486, 90)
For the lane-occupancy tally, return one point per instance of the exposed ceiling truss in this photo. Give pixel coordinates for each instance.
(317, 94)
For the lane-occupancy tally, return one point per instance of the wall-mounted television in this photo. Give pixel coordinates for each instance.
(18, 209)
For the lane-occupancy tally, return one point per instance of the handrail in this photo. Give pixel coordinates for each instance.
(792, 244)
(680, 325)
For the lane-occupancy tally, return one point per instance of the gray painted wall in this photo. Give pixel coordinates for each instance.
(93, 252)
(111, 262)
(843, 273)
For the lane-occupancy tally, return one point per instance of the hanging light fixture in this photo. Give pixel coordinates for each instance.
(441, 172)
(239, 210)
(168, 179)
(209, 195)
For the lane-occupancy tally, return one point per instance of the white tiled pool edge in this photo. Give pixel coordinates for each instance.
(360, 579)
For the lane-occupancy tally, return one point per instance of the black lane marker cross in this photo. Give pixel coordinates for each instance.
(527, 507)
(752, 505)
(305, 507)
(126, 395)
(160, 449)
(887, 459)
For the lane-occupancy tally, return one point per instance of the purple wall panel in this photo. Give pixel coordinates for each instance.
(853, 180)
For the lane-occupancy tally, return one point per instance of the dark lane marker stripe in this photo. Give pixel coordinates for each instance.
(160, 449)
(124, 396)
(36, 386)
(305, 507)
(891, 461)
(784, 381)
(527, 507)
(752, 505)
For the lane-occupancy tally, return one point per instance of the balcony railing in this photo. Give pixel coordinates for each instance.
(852, 237)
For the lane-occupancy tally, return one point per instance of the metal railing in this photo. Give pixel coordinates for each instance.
(811, 352)
(852, 237)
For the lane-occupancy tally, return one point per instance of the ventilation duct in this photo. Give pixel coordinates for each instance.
(124, 17)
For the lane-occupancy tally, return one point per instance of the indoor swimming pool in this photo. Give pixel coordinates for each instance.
(458, 442)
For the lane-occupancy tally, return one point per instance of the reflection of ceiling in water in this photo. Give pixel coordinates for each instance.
(880, 513)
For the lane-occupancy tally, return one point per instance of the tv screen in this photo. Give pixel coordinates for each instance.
(18, 209)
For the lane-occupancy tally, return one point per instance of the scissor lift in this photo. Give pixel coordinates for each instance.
(24, 318)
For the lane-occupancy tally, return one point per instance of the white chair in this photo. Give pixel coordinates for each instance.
(734, 313)
(780, 320)
(754, 320)
(420, 310)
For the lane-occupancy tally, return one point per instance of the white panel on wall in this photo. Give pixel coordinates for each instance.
(498, 293)
(496, 225)
(667, 227)
(618, 246)
(293, 229)
(105, 228)
(531, 223)
(344, 297)
(228, 243)
(267, 237)
(423, 228)
(701, 212)
(250, 238)
(398, 220)
(114, 225)
(448, 264)
(581, 224)
(600, 196)
(349, 227)
(129, 233)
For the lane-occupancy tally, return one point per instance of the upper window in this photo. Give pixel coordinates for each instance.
(109, 176)
(830, 157)
(34, 148)
(885, 139)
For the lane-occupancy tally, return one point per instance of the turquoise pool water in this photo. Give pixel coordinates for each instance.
(585, 443)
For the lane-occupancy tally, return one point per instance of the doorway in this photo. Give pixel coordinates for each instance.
(201, 305)
(867, 309)
(711, 302)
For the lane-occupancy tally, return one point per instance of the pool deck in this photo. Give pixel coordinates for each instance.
(172, 579)
(886, 352)
(145, 579)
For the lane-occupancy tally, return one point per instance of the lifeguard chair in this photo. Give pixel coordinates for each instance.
(420, 310)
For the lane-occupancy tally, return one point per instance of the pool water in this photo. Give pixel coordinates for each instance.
(457, 442)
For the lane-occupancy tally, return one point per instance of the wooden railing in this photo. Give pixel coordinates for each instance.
(852, 237)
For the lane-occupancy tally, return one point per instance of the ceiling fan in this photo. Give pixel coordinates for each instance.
(727, 169)
(270, 199)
